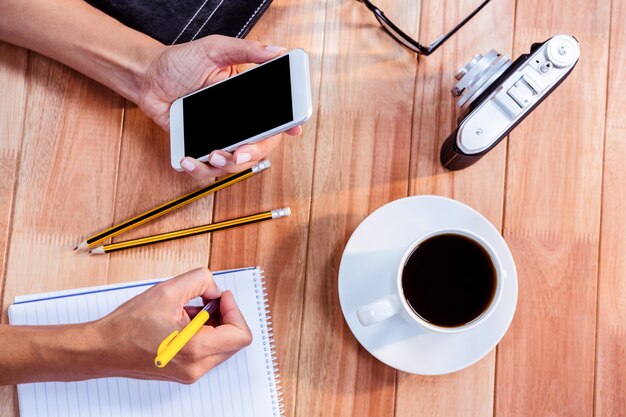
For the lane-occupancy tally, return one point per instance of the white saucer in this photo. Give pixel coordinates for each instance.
(371, 257)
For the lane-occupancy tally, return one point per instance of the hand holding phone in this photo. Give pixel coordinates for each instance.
(249, 107)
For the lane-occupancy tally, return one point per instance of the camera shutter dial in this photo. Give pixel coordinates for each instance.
(562, 51)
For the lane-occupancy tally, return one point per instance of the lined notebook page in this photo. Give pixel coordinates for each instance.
(244, 385)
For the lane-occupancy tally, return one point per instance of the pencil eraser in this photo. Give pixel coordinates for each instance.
(261, 166)
(282, 212)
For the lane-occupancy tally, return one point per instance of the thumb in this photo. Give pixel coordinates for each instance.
(225, 51)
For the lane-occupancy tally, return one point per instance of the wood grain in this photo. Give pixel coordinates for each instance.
(361, 163)
(480, 186)
(145, 180)
(12, 101)
(75, 158)
(279, 246)
(552, 223)
(67, 164)
(610, 385)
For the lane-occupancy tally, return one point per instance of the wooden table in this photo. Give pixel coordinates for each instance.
(75, 157)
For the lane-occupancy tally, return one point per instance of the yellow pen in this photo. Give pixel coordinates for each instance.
(175, 341)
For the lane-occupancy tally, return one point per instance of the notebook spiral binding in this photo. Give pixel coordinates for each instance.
(268, 343)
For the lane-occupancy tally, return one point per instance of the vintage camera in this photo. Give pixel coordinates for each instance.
(498, 94)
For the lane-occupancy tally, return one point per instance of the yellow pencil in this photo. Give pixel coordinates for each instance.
(173, 343)
(171, 206)
(253, 218)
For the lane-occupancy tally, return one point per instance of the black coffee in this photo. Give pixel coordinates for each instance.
(449, 280)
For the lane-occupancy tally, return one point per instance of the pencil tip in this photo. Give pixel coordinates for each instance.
(82, 246)
(97, 251)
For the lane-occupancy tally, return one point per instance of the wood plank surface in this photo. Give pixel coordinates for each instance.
(145, 179)
(610, 386)
(70, 143)
(480, 186)
(12, 103)
(75, 157)
(279, 246)
(552, 223)
(361, 163)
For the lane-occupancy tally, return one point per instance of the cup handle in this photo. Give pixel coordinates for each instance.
(379, 310)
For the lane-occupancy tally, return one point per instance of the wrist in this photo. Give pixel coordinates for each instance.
(71, 352)
(124, 69)
(135, 69)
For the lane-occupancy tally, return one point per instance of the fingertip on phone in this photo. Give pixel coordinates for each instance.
(217, 160)
(242, 157)
(187, 164)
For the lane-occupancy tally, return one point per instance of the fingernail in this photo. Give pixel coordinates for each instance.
(242, 158)
(217, 160)
(188, 165)
(273, 48)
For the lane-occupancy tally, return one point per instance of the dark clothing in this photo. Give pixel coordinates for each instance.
(178, 21)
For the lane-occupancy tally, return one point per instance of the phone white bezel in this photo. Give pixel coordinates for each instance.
(300, 99)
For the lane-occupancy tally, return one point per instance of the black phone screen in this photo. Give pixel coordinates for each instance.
(237, 109)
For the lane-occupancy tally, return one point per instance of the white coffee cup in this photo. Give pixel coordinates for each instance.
(396, 303)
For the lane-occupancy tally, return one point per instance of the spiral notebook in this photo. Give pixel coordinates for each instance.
(245, 385)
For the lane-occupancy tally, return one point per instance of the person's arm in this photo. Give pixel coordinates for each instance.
(136, 66)
(38, 353)
(124, 343)
(82, 37)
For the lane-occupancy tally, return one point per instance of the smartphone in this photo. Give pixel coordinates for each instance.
(253, 105)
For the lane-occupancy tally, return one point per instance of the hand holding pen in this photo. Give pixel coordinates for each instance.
(173, 343)
(133, 332)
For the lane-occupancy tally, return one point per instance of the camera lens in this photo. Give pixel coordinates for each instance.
(461, 73)
(477, 75)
